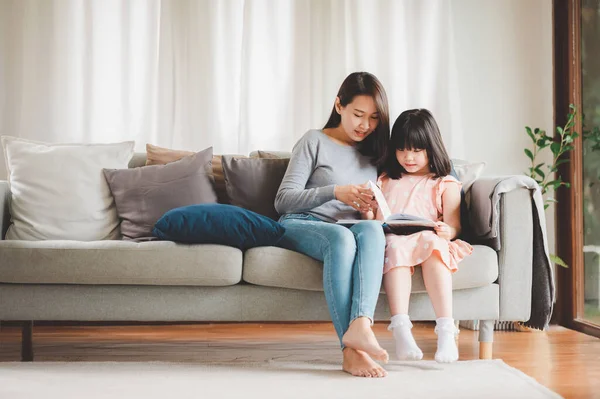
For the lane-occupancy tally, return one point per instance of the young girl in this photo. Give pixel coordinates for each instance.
(416, 181)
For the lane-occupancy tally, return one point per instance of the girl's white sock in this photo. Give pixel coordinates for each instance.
(406, 347)
(447, 352)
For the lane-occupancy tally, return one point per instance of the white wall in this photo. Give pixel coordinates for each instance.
(504, 55)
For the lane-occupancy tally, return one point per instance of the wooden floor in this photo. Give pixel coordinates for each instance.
(563, 360)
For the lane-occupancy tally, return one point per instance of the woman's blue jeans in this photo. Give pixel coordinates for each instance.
(352, 263)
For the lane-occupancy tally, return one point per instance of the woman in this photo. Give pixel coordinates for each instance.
(326, 181)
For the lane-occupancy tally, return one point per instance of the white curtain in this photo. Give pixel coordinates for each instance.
(239, 75)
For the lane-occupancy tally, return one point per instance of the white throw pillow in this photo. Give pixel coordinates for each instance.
(59, 192)
(467, 172)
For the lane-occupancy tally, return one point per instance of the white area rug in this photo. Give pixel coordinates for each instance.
(275, 379)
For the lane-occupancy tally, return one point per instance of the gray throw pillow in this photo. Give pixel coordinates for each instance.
(252, 183)
(142, 195)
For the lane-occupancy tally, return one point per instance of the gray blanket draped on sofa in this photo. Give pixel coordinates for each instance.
(485, 226)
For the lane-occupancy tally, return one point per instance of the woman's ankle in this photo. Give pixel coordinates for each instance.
(362, 321)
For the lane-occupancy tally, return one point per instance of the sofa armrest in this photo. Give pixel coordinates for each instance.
(4, 214)
(514, 246)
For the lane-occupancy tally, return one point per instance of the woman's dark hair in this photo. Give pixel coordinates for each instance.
(365, 84)
(417, 129)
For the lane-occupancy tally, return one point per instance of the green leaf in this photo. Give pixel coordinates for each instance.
(539, 172)
(529, 153)
(560, 130)
(550, 199)
(568, 139)
(558, 261)
(555, 148)
(569, 125)
(567, 185)
(561, 161)
(546, 206)
(529, 133)
(555, 184)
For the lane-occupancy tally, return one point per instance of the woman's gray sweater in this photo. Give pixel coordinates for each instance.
(317, 165)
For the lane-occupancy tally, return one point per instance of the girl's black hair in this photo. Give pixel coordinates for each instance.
(417, 129)
(363, 83)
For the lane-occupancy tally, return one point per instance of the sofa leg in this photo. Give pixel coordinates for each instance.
(485, 350)
(457, 326)
(27, 341)
(486, 338)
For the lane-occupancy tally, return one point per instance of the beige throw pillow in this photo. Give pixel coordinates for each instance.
(270, 154)
(58, 191)
(161, 156)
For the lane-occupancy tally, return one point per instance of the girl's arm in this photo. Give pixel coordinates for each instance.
(451, 208)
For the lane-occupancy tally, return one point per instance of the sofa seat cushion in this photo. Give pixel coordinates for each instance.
(119, 262)
(278, 267)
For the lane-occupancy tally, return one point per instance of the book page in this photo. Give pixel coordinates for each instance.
(353, 221)
(411, 222)
(405, 217)
(380, 199)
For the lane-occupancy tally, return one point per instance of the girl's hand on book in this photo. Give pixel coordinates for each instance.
(443, 230)
(369, 214)
(357, 196)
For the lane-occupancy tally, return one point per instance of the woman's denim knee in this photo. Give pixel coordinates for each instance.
(370, 227)
(371, 231)
(343, 241)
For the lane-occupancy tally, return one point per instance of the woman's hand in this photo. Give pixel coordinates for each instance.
(357, 196)
(444, 230)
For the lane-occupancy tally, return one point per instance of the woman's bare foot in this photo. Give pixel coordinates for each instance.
(359, 364)
(360, 337)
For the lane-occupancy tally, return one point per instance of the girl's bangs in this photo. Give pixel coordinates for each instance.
(414, 138)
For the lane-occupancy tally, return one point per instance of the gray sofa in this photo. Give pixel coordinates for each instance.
(165, 281)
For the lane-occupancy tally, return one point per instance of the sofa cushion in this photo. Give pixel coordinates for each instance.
(58, 191)
(161, 156)
(252, 183)
(119, 262)
(278, 267)
(144, 194)
(218, 224)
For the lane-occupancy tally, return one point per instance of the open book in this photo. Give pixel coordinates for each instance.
(397, 223)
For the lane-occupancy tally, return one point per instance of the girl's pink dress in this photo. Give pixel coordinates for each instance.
(419, 196)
